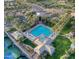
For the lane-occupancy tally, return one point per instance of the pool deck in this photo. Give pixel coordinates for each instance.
(35, 41)
(31, 37)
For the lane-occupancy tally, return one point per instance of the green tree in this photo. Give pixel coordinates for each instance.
(9, 18)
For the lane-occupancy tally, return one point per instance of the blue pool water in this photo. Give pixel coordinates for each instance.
(40, 29)
(7, 42)
(11, 52)
(8, 55)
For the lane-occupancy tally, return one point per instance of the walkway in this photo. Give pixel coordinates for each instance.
(60, 25)
(19, 45)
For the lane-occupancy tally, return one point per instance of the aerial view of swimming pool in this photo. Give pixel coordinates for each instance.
(41, 29)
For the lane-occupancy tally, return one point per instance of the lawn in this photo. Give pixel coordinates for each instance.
(72, 56)
(28, 42)
(11, 30)
(61, 45)
(68, 26)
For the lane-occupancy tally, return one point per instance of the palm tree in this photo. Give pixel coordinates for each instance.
(31, 18)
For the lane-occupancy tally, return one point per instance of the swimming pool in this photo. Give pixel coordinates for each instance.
(11, 52)
(41, 31)
(8, 55)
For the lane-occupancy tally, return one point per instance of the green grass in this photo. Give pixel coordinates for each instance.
(28, 42)
(11, 30)
(72, 56)
(68, 26)
(61, 45)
